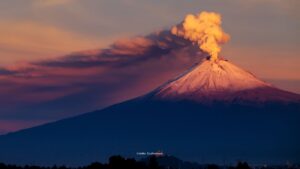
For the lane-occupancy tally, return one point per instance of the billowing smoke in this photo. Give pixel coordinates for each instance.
(205, 30)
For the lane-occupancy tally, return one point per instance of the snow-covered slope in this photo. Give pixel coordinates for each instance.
(220, 81)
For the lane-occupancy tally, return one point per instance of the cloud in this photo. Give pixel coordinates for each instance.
(122, 52)
(134, 46)
(51, 3)
(52, 88)
(5, 72)
(205, 30)
(29, 40)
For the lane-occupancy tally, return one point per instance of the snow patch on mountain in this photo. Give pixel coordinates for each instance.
(221, 80)
(212, 76)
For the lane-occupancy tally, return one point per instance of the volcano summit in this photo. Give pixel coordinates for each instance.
(219, 80)
(214, 112)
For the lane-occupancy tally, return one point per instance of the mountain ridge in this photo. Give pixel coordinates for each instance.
(220, 80)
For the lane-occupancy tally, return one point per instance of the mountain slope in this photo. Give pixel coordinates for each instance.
(214, 112)
(221, 81)
(210, 76)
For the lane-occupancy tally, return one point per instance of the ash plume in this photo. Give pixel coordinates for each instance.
(205, 30)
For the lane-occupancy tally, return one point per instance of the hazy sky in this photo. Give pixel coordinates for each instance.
(265, 39)
(265, 33)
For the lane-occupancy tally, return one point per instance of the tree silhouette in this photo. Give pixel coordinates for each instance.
(96, 165)
(212, 166)
(242, 165)
(153, 164)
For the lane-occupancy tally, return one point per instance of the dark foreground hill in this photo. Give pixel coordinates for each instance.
(185, 129)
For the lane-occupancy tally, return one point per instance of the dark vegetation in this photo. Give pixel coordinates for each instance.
(118, 162)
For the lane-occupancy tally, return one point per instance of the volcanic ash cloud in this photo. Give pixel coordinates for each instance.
(205, 30)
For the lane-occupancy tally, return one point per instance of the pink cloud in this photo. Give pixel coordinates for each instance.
(134, 46)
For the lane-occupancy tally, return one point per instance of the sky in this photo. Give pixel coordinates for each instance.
(60, 58)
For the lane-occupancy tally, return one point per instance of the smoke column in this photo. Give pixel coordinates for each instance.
(205, 30)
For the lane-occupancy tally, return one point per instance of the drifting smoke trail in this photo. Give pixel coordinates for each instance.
(205, 30)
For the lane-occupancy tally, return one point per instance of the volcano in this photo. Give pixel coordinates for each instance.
(215, 112)
(221, 81)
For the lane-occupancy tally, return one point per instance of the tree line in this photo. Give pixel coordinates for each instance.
(119, 162)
